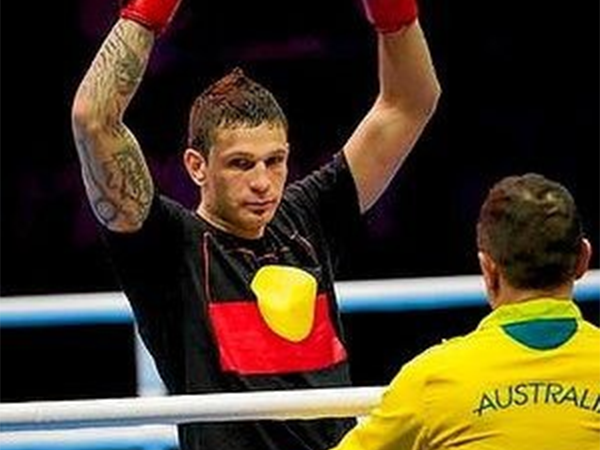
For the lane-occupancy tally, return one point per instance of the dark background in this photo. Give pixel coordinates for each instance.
(520, 93)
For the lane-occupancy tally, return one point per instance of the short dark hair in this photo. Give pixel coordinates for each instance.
(530, 227)
(234, 100)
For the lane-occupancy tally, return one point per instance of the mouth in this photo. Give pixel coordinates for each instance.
(261, 206)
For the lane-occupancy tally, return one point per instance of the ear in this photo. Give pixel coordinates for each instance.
(583, 261)
(491, 275)
(195, 165)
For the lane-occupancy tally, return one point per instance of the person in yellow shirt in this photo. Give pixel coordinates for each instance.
(528, 377)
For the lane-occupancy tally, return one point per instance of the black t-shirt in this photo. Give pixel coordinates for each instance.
(189, 287)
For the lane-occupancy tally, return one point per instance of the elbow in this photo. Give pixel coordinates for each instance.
(428, 102)
(419, 107)
(87, 121)
(434, 98)
(83, 120)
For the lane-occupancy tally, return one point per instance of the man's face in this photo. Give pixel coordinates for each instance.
(244, 178)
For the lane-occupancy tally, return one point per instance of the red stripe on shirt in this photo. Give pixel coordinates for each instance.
(248, 346)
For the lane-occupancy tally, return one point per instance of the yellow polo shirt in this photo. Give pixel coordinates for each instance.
(528, 378)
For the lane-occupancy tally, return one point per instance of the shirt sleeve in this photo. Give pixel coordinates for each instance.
(327, 198)
(139, 257)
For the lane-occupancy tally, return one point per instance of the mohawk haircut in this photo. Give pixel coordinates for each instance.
(232, 101)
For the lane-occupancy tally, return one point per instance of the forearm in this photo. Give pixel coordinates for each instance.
(116, 177)
(115, 74)
(408, 94)
(407, 78)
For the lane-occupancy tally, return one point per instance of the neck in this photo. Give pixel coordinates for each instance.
(507, 295)
(225, 226)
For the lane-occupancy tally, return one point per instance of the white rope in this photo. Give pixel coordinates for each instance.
(218, 407)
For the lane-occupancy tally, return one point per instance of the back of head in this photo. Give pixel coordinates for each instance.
(232, 101)
(530, 227)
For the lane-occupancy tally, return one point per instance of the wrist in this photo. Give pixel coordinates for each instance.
(153, 14)
(388, 16)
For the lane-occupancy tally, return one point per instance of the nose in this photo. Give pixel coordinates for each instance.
(259, 177)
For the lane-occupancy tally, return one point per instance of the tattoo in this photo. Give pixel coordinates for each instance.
(117, 70)
(128, 186)
(129, 68)
(127, 176)
(117, 178)
(120, 189)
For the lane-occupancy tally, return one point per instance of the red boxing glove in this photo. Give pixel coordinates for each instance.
(154, 14)
(390, 15)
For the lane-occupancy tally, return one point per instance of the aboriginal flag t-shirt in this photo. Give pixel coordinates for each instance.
(224, 314)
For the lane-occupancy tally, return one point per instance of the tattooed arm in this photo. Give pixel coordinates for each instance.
(116, 177)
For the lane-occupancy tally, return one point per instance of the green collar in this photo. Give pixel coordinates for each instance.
(539, 308)
(540, 324)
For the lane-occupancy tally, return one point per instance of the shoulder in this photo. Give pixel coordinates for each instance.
(167, 216)
(166, 209)
(333, 174)
(591, 328)
(444, 355)
(589, 332)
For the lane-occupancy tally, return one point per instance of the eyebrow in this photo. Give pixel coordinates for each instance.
(251, 155)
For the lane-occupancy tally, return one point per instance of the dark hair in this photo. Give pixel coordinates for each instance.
(234, 100)
(530, 227)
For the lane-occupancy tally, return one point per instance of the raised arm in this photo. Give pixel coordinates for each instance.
(408, 94)
(116, 176)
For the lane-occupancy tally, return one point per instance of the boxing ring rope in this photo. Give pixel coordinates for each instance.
(175, 409)
(148, 422)
(46, 425)
(388, 295)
